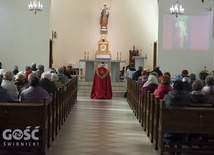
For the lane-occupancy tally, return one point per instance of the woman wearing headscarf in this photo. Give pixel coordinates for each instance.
(152, 84)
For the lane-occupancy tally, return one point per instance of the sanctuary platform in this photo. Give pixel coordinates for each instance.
(84, 88)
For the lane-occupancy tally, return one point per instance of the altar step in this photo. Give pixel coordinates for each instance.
(118, 88)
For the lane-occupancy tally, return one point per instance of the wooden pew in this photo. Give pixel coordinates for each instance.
(142, 106)
(133, 95)
(148, 99)
(25, 126)
(136, 98)
(139, 104)
(201, 105)
(151, 117)
(156, 118)
(50, 124)
(70, 95)
(60, 108)
(26, 118)
(156, 121)
(144, 109)
(129, 89)
(54, 115)
(57, 111)
(186, 120)
(73, 92)
(63, 103)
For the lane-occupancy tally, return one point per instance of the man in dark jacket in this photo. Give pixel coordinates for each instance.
(175, 98)
(137, 74)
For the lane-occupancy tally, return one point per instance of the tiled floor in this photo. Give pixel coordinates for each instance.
(102, 127)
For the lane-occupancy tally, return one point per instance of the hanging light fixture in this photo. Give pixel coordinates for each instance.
(177, 9)
(35, 6)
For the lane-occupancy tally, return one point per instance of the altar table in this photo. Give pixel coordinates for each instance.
(112, 65)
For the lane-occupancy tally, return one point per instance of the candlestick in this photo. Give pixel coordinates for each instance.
(84, 55)
(87, 55)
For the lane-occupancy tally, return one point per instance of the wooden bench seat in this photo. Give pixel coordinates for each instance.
(31, 127)
(186, 120)
(25, 126)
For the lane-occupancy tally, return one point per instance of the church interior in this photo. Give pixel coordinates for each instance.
(74, 33)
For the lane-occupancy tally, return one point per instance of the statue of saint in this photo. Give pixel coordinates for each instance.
(104, 17)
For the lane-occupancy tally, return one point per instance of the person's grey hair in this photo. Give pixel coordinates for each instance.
(54, 77)
(154, 73)
(32, 75)
(41, 67)
(209, 80)
(8, 75)
(33, 64)
(16, 67)
(140, 68)
(20, 77)
(46, 75)
(192, 76)
(27, 68)
(186, 79)
(152, 79)
(157, 67)
(60, 69)
(197, 85)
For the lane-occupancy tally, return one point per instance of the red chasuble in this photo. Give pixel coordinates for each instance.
(101, 88)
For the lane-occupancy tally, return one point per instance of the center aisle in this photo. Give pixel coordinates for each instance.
(101, 127)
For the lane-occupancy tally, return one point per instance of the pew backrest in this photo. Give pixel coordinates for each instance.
(187, 119)
(24, 125)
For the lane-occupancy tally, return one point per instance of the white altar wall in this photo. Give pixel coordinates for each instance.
(113, 67)
(77, 25)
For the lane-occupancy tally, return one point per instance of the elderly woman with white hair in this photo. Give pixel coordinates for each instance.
(208, 89)
(7, 83)
(186, 85)
(20, 82)
(33, 67)
(46, 83)
(56, 81)
(62, 77)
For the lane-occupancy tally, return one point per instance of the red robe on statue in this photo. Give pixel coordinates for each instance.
(101, 88)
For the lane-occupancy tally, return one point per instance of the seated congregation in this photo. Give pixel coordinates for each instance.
(31, 93)
(174, 110)
(32, 84)
(198, 90)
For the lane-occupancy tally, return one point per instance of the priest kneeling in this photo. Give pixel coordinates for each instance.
(101, 88)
